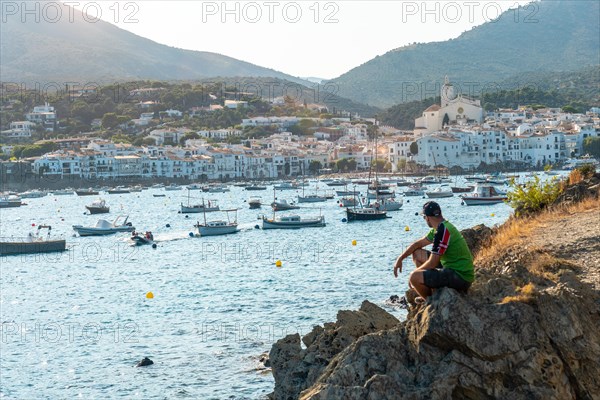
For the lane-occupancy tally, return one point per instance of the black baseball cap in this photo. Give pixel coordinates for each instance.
(431, 209)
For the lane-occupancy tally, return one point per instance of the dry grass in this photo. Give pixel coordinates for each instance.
(548, 267)
(526, 294)
(519, 230)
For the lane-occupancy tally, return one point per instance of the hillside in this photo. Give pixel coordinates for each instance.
(528, 329)
(579, 89)
(564, 38)
(100, 52)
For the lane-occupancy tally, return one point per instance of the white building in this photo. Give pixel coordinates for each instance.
(43, 115)
(457, 109)
(220, 134)
(19, 129)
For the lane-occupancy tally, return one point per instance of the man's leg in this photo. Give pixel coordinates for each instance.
(419, 257)
(417, 282)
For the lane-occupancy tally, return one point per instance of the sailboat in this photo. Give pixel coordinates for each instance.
(198, 208)
(363, 213)
(311, 198)
(217, 227)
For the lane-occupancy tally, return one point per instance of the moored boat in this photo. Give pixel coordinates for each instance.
(440, 192)
(364, 214)
(103, 227)
(484, 195)
(86, 192)
(98, 207)
(254, 202)
(32, 244)
(283, 205)
(10, 201)
(293, 222)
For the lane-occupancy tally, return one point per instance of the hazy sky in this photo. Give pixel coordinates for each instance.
(302, 38)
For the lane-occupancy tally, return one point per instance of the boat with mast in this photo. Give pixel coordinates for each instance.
(218, 227)
(366, 213)
(198, 208)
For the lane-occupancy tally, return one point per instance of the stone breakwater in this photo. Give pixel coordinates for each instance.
(529, 328)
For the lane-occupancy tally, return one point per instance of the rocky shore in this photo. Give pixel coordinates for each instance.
(528, 329)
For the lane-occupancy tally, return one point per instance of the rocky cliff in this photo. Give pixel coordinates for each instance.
(528, 329)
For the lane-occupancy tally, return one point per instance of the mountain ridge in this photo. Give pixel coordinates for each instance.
(34, 52)
(565, 38)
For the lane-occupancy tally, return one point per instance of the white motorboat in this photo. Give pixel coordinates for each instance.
(103, 227)
(440, 192)
(283, 205)
(293, 222)
(98, 207)
(349, 202)
(63, 192)
(32, 244)
(10, 201)
(286, 186)
(173, 187)
(483, 195)
(254, 202)
(311, 198)
(386, 204)
(32, 194)
(199, 208)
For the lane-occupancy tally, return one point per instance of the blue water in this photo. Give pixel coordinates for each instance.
(75, 324)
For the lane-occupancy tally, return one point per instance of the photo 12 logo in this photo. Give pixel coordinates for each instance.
(270, 11)
(456, 12)
(69, 11)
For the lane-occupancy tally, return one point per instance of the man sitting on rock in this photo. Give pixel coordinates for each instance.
(448, 264)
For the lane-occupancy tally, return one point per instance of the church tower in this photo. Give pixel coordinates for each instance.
(447, 94)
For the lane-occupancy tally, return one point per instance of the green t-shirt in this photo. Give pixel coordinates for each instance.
(454, 253)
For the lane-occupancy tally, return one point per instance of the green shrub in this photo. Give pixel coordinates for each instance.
(587, 170)
(533, 196)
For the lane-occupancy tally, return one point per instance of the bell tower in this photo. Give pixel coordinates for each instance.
(447, 94)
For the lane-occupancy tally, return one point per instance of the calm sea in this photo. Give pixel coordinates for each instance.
(75, 324)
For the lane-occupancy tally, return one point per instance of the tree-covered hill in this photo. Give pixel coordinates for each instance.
(558, 35)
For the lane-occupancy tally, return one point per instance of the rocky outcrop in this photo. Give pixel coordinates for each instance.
(295, 369)
(587, 188)
(528, 329)
(477, 237)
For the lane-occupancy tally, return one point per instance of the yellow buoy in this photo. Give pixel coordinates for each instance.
(278, 263)
(493, 215)
(149, 295)
(406, 228)
(354, 243)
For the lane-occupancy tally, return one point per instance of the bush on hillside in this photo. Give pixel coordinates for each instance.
(533, 196)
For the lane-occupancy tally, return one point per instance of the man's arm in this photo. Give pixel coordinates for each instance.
(419, 244)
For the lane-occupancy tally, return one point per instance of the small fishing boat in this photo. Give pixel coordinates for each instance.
(256, 187)
(32, 194)
(440, 192)
(457, 189)
(364, 214)
(286, 186)
(98, 207)
(103, 227)
(173, 187)
(32, 244)
(254, 202)
(63, 192)
(483, 195)
(283, 205)
(10, 201)
(118, 190)
(219, 227)
(292, 222)
(86, 192)
(386, 204)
